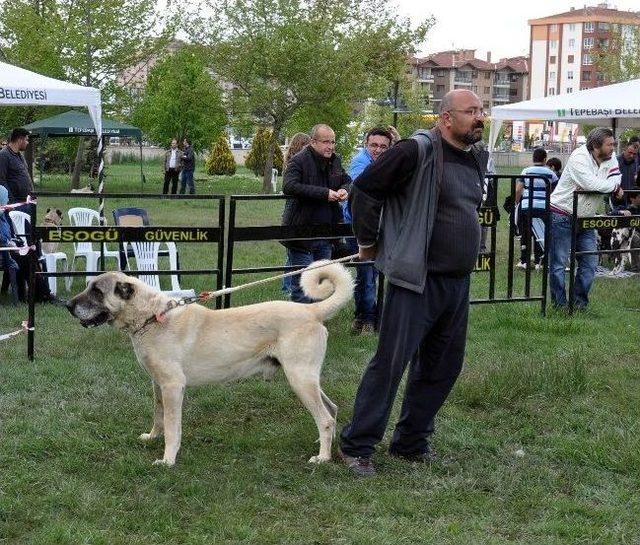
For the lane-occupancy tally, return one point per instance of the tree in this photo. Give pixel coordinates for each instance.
(257, 157)
(181, 99)
(620, 61)
(288, 58)
(89, 42)
(220, 160)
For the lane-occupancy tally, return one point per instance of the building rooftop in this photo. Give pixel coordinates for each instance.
(599, 13)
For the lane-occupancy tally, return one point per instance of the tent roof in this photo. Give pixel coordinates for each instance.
(74, 123)
(20, 87)
(596, 106)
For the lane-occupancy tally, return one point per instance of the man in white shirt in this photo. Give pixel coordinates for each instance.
(171, 168)
(591, 167)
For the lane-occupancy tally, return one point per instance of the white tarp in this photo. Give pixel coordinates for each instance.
(598, 106)
(19, 87)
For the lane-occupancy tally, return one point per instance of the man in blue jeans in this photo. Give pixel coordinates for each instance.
(377, 141)
(591, 167)
(188, 167)
(318, 182)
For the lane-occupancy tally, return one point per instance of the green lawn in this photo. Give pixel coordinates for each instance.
(537, 444)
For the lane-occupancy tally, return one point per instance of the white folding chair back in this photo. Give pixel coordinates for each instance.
(146, 254)
(173, 265)
(19, 220)
(84, 217)
(537, 226)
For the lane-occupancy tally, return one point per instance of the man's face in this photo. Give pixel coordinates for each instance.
(629, 152)
(605, 152)
(174, 144)
(376, 145)
(185, 143)
(23, 143)
(324, 143)
(466, 119)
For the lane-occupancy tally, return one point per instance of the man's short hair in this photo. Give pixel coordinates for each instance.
(18, 133)
(379, 131)
(634, 140)
(187, 139)
(317, 128)
(597, 136)
(539, 155)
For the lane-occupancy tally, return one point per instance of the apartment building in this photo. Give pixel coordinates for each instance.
(564, 47)
(495, 83)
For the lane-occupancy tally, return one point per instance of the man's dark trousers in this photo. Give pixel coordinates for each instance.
(171, 175)
(428, 329)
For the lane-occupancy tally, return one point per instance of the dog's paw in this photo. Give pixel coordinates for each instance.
(163, 462)
(146, 437)
(319, 459)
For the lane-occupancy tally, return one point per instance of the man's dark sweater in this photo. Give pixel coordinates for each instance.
(628, 172)
(14, 175)
(455, 240)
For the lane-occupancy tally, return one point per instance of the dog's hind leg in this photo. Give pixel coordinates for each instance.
(330, 405)
(172, 396)
(301, 357)
(158, 417)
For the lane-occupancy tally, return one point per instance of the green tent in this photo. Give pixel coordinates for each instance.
(78, 124)
(74, 123)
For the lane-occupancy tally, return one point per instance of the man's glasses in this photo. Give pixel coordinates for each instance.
(473, 112)
(382, 147)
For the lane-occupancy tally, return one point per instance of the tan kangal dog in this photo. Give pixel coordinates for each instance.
(193, 345)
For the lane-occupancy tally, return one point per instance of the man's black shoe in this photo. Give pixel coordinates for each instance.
(360, 467)
(426, 457)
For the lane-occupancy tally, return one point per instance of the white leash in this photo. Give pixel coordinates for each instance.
(205, 295)
(24, 329)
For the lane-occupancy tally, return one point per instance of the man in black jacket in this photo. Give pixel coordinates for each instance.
(188, 166)
(14, 174)
(415, 210)
(318, 182)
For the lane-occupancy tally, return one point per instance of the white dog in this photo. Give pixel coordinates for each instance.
(192, 345)
(625, 239)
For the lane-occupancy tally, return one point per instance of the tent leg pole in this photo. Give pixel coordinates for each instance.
(141, 173)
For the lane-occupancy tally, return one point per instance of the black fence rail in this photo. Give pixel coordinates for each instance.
(119, 234)
(607, 222)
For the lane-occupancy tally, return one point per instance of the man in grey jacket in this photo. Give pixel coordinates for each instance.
(415, 211)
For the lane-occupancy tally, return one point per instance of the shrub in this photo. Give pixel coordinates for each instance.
(257, 156)
(220, 160)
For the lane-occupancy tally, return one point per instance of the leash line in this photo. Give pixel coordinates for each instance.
(25, 328)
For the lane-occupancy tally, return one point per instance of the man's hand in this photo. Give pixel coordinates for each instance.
(395, 135)
(333, 196)
(625, 212)
(367, 254)
(343, 194)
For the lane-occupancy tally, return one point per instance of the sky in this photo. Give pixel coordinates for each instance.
(499, 26)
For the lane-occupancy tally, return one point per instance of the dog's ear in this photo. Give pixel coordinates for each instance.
(48, 210)
(59, 212)
(124, 290)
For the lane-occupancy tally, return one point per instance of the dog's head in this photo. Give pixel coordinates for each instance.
(620, 237)
(116, 299)
(53, 217)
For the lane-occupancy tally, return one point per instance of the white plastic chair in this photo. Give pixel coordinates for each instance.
(86, 217)
(537, 226)
(146, 254)
(20, 220)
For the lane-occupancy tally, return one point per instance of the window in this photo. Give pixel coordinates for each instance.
(603, 26)
(552, 75)
(487, 91)
(513, 78)
(513, 92)
(572, 27)
(552, 91)
(487, 75)
(570, 74)
(586, 59)
(440, 73)
(599, 76)
(603, 44)
(474, 88)
(572, 43)
(569, 89)
(570, 59)
(586, 76)
(552, 59)
(486, 105)
(588, 27)
(553, 44)
(553, 28)
(587, 43)
(439, 88)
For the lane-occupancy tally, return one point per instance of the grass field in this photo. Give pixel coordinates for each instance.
(537, 444)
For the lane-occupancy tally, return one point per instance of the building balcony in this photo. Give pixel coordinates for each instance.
(463, 81)
(501, 83)
(501, 98)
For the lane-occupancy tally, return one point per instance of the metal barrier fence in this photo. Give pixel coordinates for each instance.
(102, 234)
(608, 222)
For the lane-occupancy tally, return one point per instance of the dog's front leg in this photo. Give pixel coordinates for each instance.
(172, 395)
(158, 417)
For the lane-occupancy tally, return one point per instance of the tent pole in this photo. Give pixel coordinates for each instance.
(141, 173)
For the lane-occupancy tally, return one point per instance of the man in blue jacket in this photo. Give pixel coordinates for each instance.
(377, 141)
(416, 211)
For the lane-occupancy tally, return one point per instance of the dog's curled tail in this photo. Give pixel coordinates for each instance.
(332, 284)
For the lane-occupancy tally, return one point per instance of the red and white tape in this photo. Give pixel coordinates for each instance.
(24, 329)
(18, 204)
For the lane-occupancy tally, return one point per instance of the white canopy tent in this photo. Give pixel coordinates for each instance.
(20, 87)
(616, 106)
